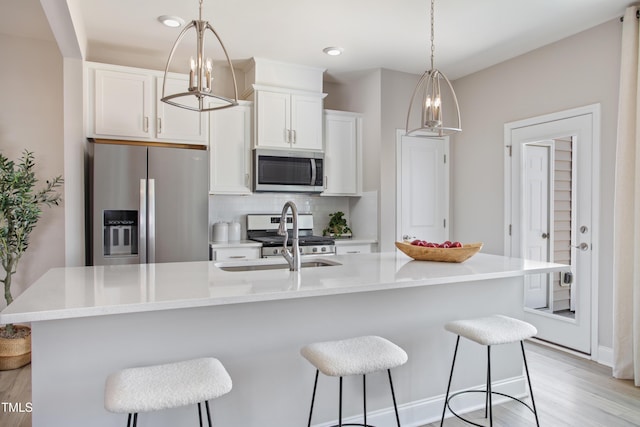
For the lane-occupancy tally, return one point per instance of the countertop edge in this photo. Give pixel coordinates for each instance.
(139, 307)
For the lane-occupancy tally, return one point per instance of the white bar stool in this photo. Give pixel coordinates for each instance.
(492, 330)
(354, 356)
(152, 388)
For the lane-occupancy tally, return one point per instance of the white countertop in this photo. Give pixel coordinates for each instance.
(75, 292)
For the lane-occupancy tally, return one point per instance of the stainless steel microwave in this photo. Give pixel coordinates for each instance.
(288, 171)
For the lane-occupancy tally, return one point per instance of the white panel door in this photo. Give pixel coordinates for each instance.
(341, 154)
(571, 330)
(536, 225)
(175, 123)
(273, 119)
(423, 193)
(122, 104)
(306, 122)
(230, 150)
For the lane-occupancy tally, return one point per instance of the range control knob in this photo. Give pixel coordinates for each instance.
(275, 251)
(315, 249)
(323, 249)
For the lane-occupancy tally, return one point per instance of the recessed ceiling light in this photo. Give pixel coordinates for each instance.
(333, 51)
(171, 21)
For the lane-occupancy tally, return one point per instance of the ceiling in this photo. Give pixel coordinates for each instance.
(470, 35)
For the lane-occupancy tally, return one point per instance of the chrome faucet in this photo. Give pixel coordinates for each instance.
(293, 256)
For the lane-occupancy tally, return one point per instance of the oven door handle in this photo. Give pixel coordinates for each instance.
(313, 171)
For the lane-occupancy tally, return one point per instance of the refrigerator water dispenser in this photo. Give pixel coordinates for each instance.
(120, 233)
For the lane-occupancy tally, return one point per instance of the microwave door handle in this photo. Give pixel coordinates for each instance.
(313, 171)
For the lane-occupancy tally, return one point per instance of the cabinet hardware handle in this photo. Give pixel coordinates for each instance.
(159, 125)
(295, 136)
(145, 124)
(237, 256)
(326, 180)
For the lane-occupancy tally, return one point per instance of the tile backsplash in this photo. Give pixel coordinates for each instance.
(235, 208)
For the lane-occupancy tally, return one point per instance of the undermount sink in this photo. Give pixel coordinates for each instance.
(263, 265)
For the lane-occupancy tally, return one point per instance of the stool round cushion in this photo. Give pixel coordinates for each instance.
(354, 356)
(492, 330)
(152, 388)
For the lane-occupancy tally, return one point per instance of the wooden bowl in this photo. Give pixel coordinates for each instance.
(422, 253)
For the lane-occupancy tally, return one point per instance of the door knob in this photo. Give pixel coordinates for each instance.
(582, 246)
(545, 235)
(407, 237)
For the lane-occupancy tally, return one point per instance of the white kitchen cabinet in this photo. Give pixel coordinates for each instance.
(124, 103)
(121, 104)
(288, 120)
(342, 153)
(174, 123)
(230, 150)
(357, 248)
(235, 254)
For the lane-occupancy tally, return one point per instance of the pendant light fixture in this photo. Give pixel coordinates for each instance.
(200, 73)
(433, 91)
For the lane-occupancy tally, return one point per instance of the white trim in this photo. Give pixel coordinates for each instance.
(605, 356)
(594, 110)
(426, 411)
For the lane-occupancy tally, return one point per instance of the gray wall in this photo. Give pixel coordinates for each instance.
(31, 118)
(577, 71)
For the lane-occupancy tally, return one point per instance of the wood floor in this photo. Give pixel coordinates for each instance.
(569, 391)
(15, 393)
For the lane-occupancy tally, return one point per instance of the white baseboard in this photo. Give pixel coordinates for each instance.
(605, 356)
(426, 411)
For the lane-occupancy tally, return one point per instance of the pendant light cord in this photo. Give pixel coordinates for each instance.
(433, 47)
(200, 14)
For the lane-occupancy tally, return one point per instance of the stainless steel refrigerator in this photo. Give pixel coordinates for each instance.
(147, 204)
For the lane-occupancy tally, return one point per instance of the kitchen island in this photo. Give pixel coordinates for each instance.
(90, 321)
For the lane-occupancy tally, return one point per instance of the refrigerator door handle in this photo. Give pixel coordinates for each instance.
(142, 221)
(151, 249)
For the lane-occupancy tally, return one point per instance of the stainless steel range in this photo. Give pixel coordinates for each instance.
(263, 228)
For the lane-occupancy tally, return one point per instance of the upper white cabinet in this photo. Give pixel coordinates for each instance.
(124, 103)
(288, 120)
(343, 153)
(178, 124)
(121, 104)
(288, 104)
(230, 150)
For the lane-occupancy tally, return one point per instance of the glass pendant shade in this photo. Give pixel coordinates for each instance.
(200, 74)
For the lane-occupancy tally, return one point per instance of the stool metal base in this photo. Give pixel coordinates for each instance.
(488, 409)
(364, 399)
(206, 404)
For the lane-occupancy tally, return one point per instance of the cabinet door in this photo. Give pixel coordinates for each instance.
(306, 122)
(273, 119)
(175, 124)
(342, 151)
(230, 150)
(122, 104)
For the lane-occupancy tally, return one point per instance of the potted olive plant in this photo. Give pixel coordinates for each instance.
(20, 208)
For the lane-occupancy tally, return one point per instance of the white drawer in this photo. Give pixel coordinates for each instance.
(232, 254)
(343, 249)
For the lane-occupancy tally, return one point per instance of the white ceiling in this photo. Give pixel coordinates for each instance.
(470, 34)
